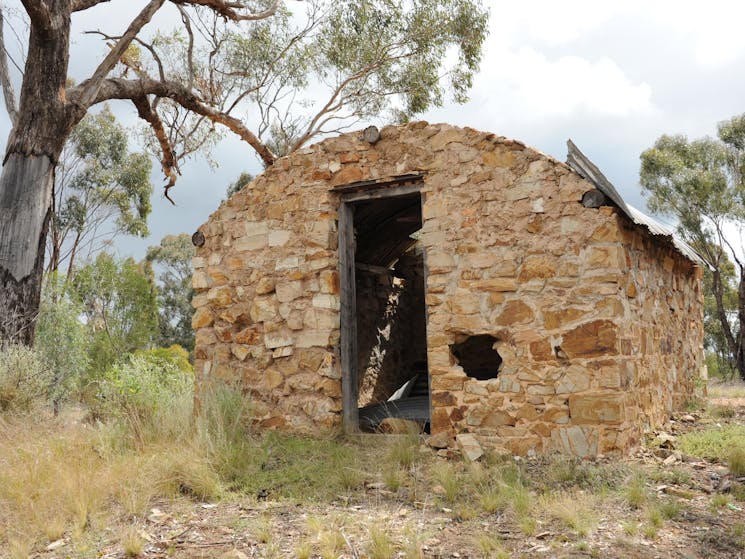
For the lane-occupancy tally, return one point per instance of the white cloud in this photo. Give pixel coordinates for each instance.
(527, 83)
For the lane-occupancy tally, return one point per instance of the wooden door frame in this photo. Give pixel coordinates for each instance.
(348, 291)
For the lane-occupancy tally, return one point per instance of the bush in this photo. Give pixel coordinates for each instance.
(25, 381)
(61, 339)
(150, 394)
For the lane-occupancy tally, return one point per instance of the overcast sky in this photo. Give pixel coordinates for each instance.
(612, 76)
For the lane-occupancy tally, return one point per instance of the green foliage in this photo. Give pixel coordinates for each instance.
(143, 393)
(118, 300)
(360, 60)
(172, 257)
(61, 339)
(25, 380)
(406, 46)
(714, 443)
(99, 184)
(243, 179)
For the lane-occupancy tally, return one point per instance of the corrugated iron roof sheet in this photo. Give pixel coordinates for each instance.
(579, 162)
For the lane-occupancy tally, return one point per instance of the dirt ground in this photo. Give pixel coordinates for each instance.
(710, 522)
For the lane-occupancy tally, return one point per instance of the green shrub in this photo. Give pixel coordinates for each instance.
(713, 443)
(25, 380)
(152, 396)
(61, 339)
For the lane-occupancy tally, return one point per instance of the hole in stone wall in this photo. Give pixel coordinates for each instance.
(477, 356)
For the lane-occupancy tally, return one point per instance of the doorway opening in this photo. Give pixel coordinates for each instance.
(383, 337)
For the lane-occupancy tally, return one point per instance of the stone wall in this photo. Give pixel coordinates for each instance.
(599, 324)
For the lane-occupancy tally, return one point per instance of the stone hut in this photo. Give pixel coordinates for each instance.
(453, 277)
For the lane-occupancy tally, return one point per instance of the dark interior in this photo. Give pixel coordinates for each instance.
(477, 356)
(391, 318)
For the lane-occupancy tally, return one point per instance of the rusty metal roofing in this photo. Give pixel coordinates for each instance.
(579, 162)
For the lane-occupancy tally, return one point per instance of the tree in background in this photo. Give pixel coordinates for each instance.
(360, 59)
(718, 357)
(700, 183)
(173, 258)
(243, 179)
(100, 190)
(118, 299)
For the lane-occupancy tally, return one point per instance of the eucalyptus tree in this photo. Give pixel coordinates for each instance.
(101, 189)
(701, 184)
(172, 259)
(273, 77)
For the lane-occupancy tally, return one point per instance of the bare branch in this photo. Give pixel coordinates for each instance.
(190, 50)
(231, 10)
(117, 88)
(80, 5)
(89, 88)
(8, 93)
(168, 160)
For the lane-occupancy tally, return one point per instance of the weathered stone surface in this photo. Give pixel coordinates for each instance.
(263, 309)
(540, 267)
(469, 446)
(576, 379)
(515, 312)
(597, 408)
(592, 339)
(202, 317)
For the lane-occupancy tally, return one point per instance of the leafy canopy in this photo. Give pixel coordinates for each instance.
(101, 190)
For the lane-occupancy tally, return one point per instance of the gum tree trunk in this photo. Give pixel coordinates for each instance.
(25, 201)
(40, 129)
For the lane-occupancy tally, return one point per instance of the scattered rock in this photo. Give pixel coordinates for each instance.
(56, 544)
(469, 446)
(439, 440)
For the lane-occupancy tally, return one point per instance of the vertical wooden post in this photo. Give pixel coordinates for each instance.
(349, 388)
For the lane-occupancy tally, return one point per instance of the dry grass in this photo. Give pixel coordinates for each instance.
(732, 389)
(55, 479)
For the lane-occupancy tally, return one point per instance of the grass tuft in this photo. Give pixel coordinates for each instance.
(380, 545)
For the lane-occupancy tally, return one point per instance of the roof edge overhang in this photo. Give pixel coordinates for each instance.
(582, 165)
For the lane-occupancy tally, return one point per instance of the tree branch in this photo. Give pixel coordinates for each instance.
(168, 160)
(8, 93)
(117, 88)
(89, 88)
(230, 10)
(80, 5)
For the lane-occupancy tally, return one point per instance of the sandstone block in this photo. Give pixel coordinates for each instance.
(240, 352)
(274, 340)
(200, 280)
(496, 284)
(289, 291)
(326, 301)
(576, 379)
(329, 281)
(263, 309)
(553, 319)
(597, 408)
(592, 339)
(539, 266)
(202, 317)
(469, 446)
(515, 312)
(221, 296)
(278, 237)
(248, 336)
(265, 286)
